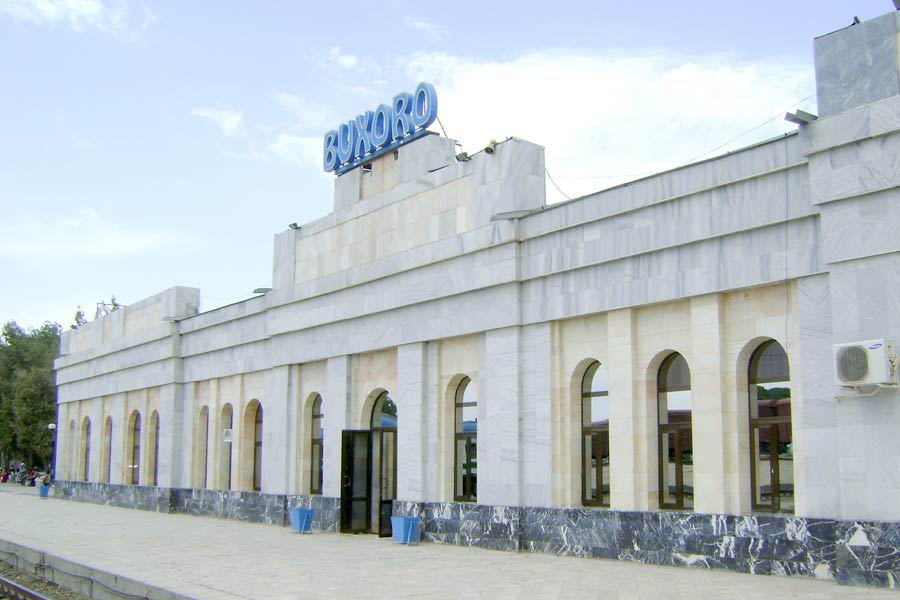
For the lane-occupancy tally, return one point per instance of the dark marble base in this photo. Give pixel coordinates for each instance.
(271, 509)
(464, 524)
(129, 496)
(327, 515)
(853, 553)
(868, 554)
(240, 506)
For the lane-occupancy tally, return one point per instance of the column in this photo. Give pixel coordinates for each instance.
(499, 414)
(337, 407)
(707, 405)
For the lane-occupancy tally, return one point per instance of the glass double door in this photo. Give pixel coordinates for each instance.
(368, 480)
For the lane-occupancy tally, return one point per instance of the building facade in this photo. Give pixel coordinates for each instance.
(646, 373)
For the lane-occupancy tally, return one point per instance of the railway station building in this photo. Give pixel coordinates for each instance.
(695, 368)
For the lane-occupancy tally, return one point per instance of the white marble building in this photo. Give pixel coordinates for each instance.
(443, 282)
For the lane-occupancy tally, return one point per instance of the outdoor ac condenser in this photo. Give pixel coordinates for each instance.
(870, 362)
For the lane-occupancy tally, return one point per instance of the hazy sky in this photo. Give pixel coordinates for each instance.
(151, 144)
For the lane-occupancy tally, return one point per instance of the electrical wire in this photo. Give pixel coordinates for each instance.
(550, 177)
(752, 129)
(699, 156)
(442, 127)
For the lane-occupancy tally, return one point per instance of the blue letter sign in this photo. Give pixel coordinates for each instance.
(378, 131)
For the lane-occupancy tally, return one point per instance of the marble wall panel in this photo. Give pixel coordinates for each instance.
(537, 450)
(500, 417)
(152, 374)
(412, 436)
(129, 496)
(464, 273)
(868, 553)
(857, 65)
(763, 256)
(452, 316)
(853, 553)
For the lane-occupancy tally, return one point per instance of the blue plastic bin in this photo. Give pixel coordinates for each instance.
(44, 491)
(405, 530)
(301, 519)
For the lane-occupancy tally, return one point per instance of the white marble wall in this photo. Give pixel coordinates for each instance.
(500, 418)
(277, 432)
(816, 210)
(171, 448)
(337, 404)
(854, 157)
(412, 428)
(536, 429)
(858, 64)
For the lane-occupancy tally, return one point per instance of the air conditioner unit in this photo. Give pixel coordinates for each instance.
(227, 435)
(870, 362)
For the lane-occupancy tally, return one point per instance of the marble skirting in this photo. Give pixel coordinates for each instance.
(240, 506)
(327, 515)
(271, 509)
(852, 553)
(129, 496)
(860, 553)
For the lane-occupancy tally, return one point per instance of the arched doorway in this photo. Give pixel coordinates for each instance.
(369, 471)
(384, 463)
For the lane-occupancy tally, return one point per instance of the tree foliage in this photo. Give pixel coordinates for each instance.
(27, 392)
(775, 393)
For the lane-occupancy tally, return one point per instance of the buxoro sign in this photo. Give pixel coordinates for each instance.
(381, 130)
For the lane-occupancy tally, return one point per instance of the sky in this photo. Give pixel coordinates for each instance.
(145, 145)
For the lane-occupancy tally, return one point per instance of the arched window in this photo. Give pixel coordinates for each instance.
(771, 441)
(253, 423)
(154, 448)
(465, 473)
(202, 446)
(595, 467)
(676, 459)
(86, 445)
(107, 451)
(134, 449)
(225, 457)
(316, 459)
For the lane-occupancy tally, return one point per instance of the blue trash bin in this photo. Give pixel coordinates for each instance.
(44, 491)
(397, 530)
(411, 531)
(301, 520)
(405, 530)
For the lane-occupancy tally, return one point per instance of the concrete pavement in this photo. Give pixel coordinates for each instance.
(207, 558)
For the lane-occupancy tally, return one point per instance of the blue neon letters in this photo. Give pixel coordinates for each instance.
(380, 130)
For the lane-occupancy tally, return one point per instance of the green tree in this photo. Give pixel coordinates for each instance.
(27, 392)
(776, 393)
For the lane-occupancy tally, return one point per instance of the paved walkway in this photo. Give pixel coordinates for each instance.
(222, 560)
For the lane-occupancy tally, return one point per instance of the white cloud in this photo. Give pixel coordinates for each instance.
(86, 233)
(118, 18)
(434, 32)
(298, 150)
(419, 24)
(605, 118)
(229, 121)
(306, 114)
(348, 61)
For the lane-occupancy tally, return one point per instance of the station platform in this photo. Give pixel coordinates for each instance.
(169, 557)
